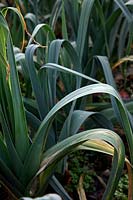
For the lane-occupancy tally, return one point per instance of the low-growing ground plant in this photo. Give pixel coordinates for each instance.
(122, 190)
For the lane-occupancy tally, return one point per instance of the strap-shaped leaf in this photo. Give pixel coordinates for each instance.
(53, 155)
(64, 25)
(46, 28)
(109, 78)
(83, 26)
(67, 70)
(36, 84)
(101, 146)
(72, 10)
(129, 18)
(34, 155)
(125, 10)
(78, 118)
(18, 13)
(55, 13)
(10, 179)
(13, 158)
(59, 188)
(55, 49)
(20, 134)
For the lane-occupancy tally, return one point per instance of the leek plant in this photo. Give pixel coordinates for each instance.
(40, 128)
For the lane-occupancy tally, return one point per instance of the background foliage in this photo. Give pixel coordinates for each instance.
(56, 80)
